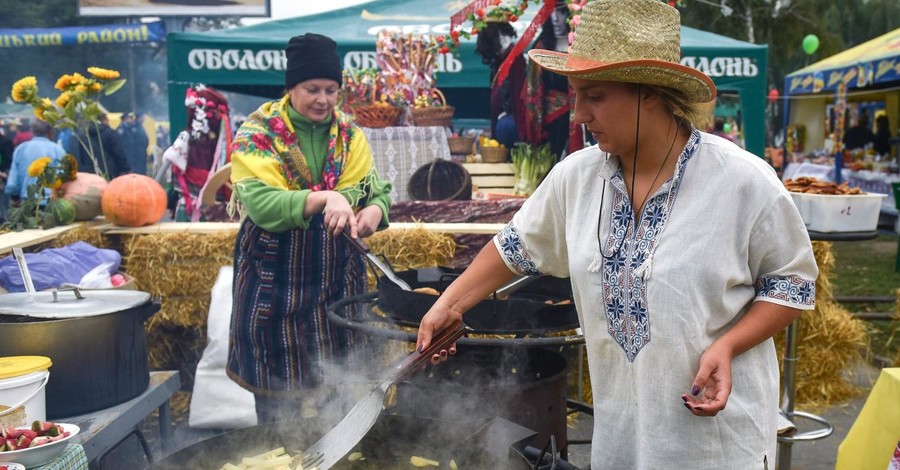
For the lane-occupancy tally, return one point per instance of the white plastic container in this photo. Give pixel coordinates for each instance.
(839, 212)
(23, 380)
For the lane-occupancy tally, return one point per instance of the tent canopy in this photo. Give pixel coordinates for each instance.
(251, 59)
(871, 63)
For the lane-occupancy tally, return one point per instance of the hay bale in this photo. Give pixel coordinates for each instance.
(82, 233)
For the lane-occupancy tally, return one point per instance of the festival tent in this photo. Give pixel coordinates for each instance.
(251, 60)
(870, 73)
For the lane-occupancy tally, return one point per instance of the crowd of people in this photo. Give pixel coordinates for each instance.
(115, 152)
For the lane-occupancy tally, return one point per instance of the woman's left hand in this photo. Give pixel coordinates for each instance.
(712, 384)
(367, 220)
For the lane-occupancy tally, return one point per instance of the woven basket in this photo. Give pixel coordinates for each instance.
(441, 116)
(493, 154)
(440, 180)
(461, 145)
(375, 116)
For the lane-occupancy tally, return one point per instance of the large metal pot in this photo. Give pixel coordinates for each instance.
(96, 340)
(526, 310)
(389, 444)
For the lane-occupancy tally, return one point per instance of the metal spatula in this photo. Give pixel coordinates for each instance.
(381, 265)
(333, 446)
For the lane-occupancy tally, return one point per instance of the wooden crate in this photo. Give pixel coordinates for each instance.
(491, 177)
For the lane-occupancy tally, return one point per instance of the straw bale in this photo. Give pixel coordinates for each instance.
(178, 264)
(187, 311)
(411, 249)
(83, 233)
(175, 348)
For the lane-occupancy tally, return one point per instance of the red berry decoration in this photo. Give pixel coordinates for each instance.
(444, 50)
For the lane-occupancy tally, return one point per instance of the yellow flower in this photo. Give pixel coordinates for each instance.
(70, 167)
(56, 184)
(37, 167)
(39, 113)
(77, 78)
(96, 87)
(63, 82)
(103, 74)
(24, 89)
(81, 89)
(63, 100)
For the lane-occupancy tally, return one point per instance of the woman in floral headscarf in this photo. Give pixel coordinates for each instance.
(302, 174)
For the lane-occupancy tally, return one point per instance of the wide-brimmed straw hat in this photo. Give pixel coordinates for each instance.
(634, 41)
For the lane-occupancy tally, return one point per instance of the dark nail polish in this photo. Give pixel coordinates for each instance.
(697, 408)
(687, 405)
(695, 390)
(421, 349)
(684, 398)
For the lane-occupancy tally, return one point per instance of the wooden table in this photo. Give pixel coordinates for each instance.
(103, 430)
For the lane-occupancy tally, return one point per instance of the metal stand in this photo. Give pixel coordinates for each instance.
(792, 339)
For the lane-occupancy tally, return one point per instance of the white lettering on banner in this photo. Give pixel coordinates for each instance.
(360, 60)
(366, 60)
(722, 66)
(236, 59)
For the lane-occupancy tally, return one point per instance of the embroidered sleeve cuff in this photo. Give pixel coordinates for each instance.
(791, 291)
(512, 250)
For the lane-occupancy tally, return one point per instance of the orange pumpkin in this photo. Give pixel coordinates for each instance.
(134, 200)
(85, 193)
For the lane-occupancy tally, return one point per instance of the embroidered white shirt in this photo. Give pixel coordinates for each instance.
(720, 234)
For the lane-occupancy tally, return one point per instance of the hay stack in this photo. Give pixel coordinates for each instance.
(82, 233)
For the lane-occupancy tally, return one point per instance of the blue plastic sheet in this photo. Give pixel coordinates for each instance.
(54, 267)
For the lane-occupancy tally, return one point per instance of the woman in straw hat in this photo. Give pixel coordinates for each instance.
(686, 254)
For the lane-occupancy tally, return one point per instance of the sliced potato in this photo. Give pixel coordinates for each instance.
(417, 461)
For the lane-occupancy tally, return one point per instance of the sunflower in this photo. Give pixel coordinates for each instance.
(63, 82)
(63, 100)
(96, 87)
(38, 166)
(70, 167)
(77, 78)
(39, 113)
(24, 89)
(56, 183)
(103, 74)
(80, 89)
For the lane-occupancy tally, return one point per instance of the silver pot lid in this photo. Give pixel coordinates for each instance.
(70, 303)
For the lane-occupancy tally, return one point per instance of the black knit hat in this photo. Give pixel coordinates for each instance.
(311, 56)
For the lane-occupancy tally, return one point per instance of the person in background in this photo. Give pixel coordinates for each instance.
(107, 150)
(302, 175)
(860, 135)
(493, 44)
(40, 145)
(719, 129)
(134, 142)
(679, 286)
(882, 138)
(6, 154)
(23, 133)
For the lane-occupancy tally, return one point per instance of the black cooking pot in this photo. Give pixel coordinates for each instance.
(526, 311)
(389, 444)
(95, 339)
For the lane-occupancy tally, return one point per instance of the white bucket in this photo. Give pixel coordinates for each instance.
(24, 391)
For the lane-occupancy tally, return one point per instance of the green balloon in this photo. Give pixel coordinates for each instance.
(727, 128)
(810, 44)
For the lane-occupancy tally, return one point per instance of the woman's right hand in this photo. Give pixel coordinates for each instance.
(338, 214)
(439, 316)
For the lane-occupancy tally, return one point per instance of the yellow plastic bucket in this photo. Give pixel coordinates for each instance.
(22, 383)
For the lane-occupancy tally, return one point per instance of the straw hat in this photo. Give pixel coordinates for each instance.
(634, 41)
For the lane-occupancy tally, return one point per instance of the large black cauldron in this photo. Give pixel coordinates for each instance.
(97, 344)
(388, 445)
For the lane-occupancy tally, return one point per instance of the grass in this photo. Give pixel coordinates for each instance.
(866, 269)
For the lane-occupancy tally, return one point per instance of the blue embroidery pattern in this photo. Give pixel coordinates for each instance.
(512, 248)
(627, 250)
(792, 289)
